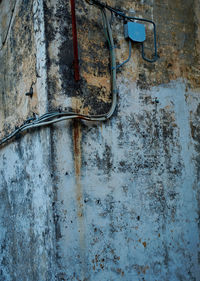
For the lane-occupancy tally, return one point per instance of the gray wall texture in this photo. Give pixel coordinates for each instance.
(117, 200)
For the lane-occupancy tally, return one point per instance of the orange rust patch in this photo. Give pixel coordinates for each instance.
(102, 266)
(119, 271)
(78, 190)
(97, 81)
(77, 147)
(103, 83)
(77, 166)
(144, 244)
(144, 269)
(78, 106)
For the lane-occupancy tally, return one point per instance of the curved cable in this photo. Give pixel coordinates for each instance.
(57, 116)
(53, 117)
(129, 56)
(121, 15)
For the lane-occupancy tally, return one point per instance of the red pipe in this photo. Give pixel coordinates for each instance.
(75, 42)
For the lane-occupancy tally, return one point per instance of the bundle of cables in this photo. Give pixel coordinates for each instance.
(122, 16)
(57, 116)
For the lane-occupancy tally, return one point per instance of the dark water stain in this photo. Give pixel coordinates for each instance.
(79, 195)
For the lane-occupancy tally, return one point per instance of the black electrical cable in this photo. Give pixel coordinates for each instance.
(122, 16)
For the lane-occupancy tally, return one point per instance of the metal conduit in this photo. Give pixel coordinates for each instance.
(57, 116)
(75, 42)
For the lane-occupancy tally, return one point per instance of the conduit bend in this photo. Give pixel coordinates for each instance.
(57, 116)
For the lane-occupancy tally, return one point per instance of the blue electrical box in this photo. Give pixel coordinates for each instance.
(135, 31)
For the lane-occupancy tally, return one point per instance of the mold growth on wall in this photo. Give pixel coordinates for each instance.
(101, 201)
(18, 66)
(138, 203)
(178, 57)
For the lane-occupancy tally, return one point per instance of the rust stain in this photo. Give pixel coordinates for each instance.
(144, 269)
(101, 128)
(102, 266)
(79, 193)
(144, 244)
(77, 148)
(120, 271)
(77, 166)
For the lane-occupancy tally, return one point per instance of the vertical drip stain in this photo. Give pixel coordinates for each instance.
(79, 193)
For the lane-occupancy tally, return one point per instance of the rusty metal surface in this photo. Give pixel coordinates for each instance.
(117, 200)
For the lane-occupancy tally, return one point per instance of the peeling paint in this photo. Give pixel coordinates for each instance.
(117, 200)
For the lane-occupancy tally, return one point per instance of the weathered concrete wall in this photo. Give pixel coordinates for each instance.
(26, 220)
(117, 200)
